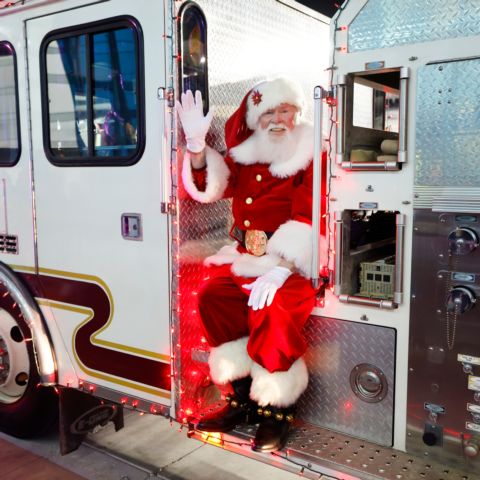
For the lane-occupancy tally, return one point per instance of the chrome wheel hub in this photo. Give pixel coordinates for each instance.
(4, 361)
(14, 360)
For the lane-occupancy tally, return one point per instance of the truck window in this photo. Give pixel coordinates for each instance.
(94, 86)
(10, 131)
(193, 35)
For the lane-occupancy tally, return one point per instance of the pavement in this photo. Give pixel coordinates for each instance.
(151, 447)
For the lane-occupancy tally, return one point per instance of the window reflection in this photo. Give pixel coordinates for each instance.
(114, 93)
(194, 52)
(9, 135)
(67, 97)
(93, 97)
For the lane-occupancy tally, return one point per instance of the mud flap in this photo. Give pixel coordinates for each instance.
(80, 413)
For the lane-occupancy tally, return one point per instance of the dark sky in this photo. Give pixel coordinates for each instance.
(327, 7)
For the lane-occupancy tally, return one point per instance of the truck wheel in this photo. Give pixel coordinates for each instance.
(26, 409)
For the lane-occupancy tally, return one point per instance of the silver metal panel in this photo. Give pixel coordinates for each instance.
(447, 199)
(250, 41)
(247, 42)
(448, 125)
(336, 347)
(324, 454)
(436, 376)
(388, 23)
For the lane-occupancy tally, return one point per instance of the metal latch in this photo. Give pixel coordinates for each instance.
(169, 207)
(132, 226)
(167, 94)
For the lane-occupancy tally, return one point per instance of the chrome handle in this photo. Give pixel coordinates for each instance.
(399, 248)
(338, 252)
(403, 107)
(318, 96)
(165, 96)
(368, 166)
(368, 302)
(341, 86)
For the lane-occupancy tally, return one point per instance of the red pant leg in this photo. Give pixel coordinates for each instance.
(275, 333)
(223, 307)
(276, 337)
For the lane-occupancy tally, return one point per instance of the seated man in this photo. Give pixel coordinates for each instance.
(259, 296)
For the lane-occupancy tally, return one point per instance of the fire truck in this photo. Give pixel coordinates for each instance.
(101, 249)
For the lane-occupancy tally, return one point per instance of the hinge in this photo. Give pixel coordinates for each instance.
(169, 207)
(167, 94)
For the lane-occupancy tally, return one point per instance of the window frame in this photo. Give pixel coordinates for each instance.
(89, 29)
(17, 107)
(181, 14)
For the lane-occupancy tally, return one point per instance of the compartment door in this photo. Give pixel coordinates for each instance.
(103, 245)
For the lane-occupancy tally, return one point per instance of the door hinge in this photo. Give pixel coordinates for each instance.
(166, 94)
(170, 207)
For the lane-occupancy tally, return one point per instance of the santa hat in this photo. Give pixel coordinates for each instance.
(262, 97)
(270, 94)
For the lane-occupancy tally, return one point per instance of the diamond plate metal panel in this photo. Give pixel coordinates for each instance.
(448, 125)
(247, 42)
(388, 23)
(250, 41)
(323, 452)
(335, 348)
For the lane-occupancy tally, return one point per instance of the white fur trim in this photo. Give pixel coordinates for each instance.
(247, 153)
(226, 255)
(293, 242)
(250, 266)
(230, 361)
(243, 264)
(271, 94)
(279, 389)
(217, 177)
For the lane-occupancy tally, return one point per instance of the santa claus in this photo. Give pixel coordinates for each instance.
(259, 296)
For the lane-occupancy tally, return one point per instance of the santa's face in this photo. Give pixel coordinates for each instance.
(279, 121)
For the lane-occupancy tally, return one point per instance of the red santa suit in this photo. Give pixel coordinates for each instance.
(274, 197)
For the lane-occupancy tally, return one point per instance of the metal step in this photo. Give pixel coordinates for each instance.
(319, 453)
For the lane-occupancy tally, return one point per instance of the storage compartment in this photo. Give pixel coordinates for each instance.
(369, 255)
(371, 131)
(352, 379)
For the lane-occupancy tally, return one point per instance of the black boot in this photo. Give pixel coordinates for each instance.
(273, 430)
(239, 409)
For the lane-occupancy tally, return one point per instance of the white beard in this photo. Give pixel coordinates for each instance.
(286, 155)
(270, 149)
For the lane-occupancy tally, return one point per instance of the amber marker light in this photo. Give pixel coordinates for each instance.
(214, 438)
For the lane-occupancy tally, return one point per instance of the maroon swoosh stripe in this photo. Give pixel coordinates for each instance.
(91, 295)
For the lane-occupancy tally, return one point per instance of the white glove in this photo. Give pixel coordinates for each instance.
(264, 288)
(195, 124)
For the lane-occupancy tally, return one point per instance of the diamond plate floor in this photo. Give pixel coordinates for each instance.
(325, 452)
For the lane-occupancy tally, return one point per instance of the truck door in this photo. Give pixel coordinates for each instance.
(102, 239)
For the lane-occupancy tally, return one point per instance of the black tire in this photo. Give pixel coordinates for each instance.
(27, 410)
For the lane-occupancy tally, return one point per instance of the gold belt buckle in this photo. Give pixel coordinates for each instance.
(256, 242)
